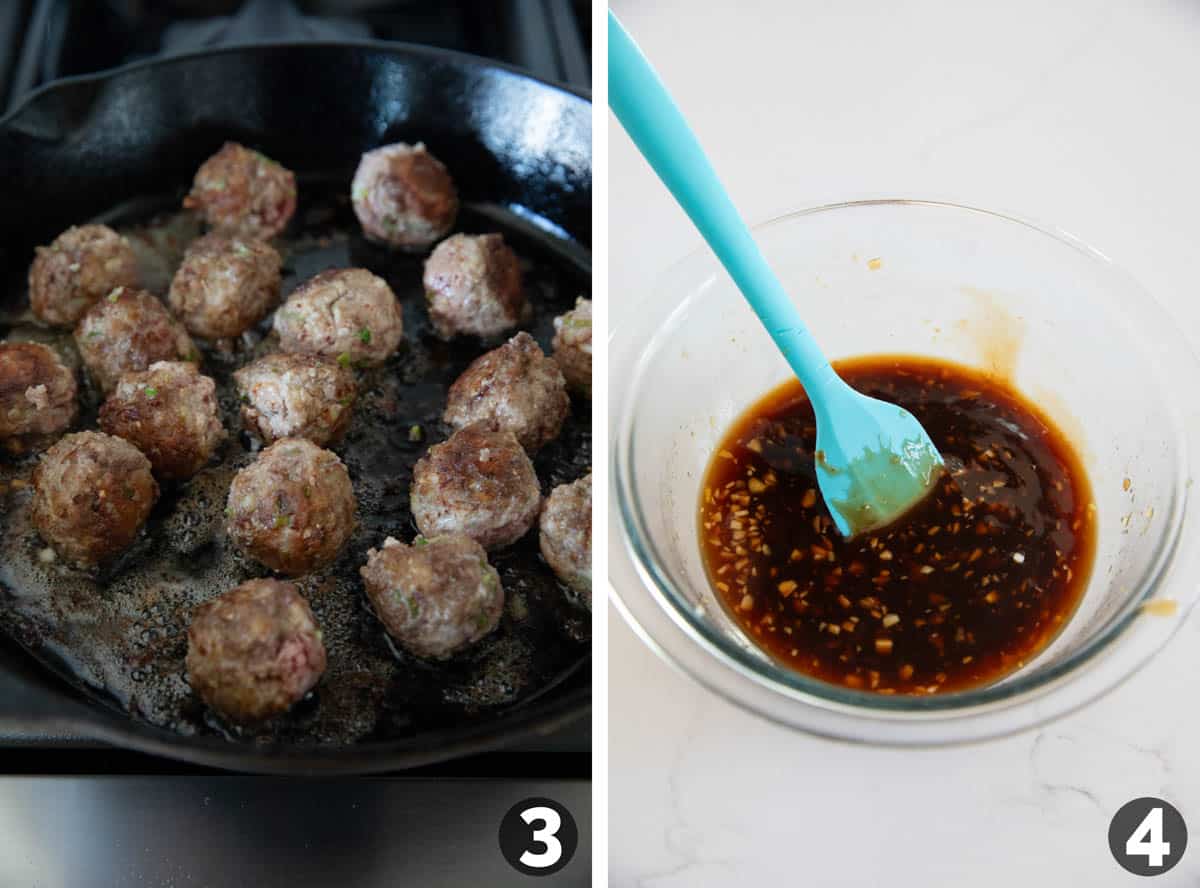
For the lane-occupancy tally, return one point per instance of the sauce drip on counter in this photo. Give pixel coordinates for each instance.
(964, 589)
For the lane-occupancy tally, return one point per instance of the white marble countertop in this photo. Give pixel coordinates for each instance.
(1083, 115)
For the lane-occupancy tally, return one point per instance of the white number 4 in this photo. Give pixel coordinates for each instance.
(1147, 839)
(546, 835)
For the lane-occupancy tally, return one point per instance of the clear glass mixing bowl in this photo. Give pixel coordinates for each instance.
(1054, 316)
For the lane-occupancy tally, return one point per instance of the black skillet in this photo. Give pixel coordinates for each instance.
(102, 146)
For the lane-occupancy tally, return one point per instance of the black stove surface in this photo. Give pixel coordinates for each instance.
(44, 40)
(72, 832)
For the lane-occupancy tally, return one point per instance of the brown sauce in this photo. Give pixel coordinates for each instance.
(967, 587)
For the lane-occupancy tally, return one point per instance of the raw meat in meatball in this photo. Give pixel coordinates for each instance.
(573, 346)
(242, 193)
(473, 287)
(296, 396)
(37, 397)
(81, 266)
(480, 483)
(225, 285)
(565, 535)
(168, 412)
(91, 494)
(292, 508)
(514, 387)
(436, 596)
(129, 330)
(254, 651)
(403, 196)
(347, 314)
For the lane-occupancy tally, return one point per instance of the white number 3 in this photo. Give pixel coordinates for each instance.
(1147, 839)
(546, 835)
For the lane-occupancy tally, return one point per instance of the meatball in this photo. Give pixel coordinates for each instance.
(348, 314)
(91, 494)
(480, 483)
(242, 193)
(473, 287)
(82, 265)
(296, 396)
(225, 285)
(565, 535)
(292, 508)
(37, 397)
(573, 346)
(436, 596)
(254, 651)
(129, 330)
(168, 412)
(514, 387)
(403, 196)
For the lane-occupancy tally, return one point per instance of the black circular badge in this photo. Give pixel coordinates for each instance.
(538, 837)
(1147, 836)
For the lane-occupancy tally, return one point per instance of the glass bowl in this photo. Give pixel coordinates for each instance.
(1036, 306)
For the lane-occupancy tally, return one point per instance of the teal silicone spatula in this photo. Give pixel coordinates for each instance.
(874, 460)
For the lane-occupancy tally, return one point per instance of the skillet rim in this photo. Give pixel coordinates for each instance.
(396, 47)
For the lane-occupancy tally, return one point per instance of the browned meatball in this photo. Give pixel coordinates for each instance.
(254, 651)
(296, 396)
(91, 494)
(292, 508)
(168, 412)
(480, 483)
(129, 330)
(347, 314)
(573, 346)
(514, 387)
(403, 196)
(436, 596)
(242, 193)
(565, 535)
(225, 285)
(473, 287)
(37, 397)
(82, 265)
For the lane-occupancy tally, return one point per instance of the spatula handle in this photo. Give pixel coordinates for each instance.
(650, 116)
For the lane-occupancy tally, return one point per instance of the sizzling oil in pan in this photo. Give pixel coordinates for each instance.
(122, 635)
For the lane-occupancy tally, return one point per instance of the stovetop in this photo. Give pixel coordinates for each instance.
(71, 832)
(43, 40)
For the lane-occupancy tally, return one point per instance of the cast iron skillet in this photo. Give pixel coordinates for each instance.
(77, 149)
